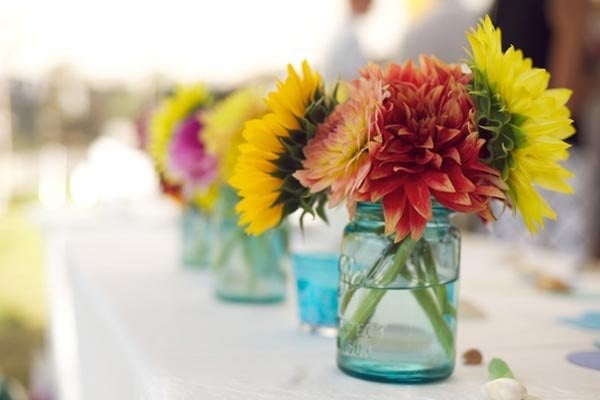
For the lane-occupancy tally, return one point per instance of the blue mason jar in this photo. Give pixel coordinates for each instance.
(197, 237)
(247, 268)
(398, 301)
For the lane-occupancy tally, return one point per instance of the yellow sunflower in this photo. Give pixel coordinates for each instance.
(224, 124)
(524, 123)
(272, 153)
(185, 100)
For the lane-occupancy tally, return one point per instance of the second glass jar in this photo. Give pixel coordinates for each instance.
(248, 268)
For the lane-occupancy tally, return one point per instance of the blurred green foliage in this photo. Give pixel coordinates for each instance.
(22, 296)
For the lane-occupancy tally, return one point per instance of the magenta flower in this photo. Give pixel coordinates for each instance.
(188, 160)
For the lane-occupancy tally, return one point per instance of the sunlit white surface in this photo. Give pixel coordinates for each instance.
(149, 329)
(62, 337)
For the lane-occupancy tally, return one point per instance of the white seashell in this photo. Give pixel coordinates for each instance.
(504, 389)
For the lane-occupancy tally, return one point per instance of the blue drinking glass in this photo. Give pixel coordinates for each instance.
(317, 280)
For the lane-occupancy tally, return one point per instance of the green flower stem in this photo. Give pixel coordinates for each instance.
(254, 251)
(248, 249)
(345, 300)
(347, 296)
(368, 305)
(227, 248)
(427, 301)
(433, 302)
(440, 290)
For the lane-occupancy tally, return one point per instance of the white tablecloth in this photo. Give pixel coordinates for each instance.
(128, 322)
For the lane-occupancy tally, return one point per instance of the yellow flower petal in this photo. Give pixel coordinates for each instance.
(224, 124)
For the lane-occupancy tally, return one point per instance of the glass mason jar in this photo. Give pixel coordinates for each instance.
(398, 301)
(248, 268)
(196, 238)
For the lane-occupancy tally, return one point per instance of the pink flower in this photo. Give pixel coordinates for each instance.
(188, 160)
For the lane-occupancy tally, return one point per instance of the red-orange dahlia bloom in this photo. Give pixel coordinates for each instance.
(428, 147)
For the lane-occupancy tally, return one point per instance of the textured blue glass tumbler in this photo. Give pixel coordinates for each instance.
(317, 280)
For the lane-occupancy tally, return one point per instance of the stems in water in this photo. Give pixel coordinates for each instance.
(433, 300)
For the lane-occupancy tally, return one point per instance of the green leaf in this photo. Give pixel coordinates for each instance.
(287, 162)
(290, 206)
(334, 94)
(518, 119)
(511, 163)
(505, 173)
(497, 126)
(4, 395)
(498, 368)
(292, 195)
(297, 137)
(519, 135)
(321, 208)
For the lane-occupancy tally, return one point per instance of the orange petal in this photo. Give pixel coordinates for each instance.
(417, 224)
(438, 181)
(419, 197)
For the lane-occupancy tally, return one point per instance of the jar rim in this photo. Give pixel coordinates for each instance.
(376, 206)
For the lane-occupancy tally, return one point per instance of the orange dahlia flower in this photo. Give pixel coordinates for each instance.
(337, 157)
(428, 146)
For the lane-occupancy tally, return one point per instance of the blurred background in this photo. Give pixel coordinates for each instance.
(75, 76)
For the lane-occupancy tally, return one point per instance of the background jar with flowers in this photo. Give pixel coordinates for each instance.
(246, 268)
(176, 145)
(271, 152)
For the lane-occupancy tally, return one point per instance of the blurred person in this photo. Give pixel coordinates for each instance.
(552, 33)
(344, 57)
(592, 121)
(440, 32)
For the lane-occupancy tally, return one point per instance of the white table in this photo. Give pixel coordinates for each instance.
(128, 322)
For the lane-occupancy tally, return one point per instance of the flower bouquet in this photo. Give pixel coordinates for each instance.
(264, 178)
(186, 169)
(411, 144)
